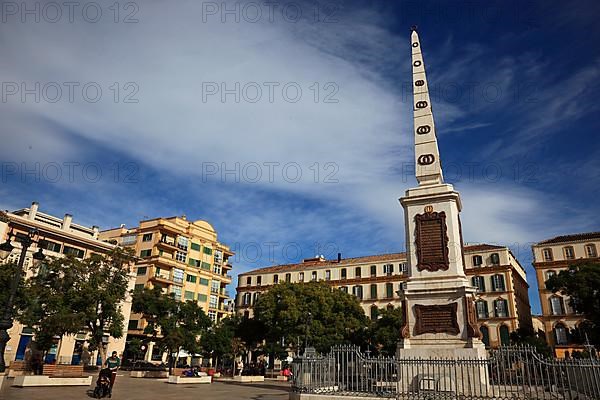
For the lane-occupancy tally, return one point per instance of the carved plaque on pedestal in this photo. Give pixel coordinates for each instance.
(436, 319)
(432, 241)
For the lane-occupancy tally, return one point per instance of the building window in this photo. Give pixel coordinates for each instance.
(194, 263)
(343, 273)
(246, 298)
(188, 295)
(498, 283)
(204, 281)
(182, 242)
(178, 275)
(146, 253)
(373, 270)
(389, 290)
(485, 333)
(249, 281)
(288, 278)
(358, 291)
(374, 312)
(255, 297)
(550, 274)
(388, 269)
(495, 259)
(501, 308)
(373, 291)
(327, 275)
(479, 283)
(569, 252)
(133, 324)
(313, 276)
(258, 280)
(202, 298)
(590, 251)
(176, 291)
(477, 261)
(139, 286)
(51, 246)
(482, 309)
(205, 265)
(142, 271)
(504, 335)
(344, 289)
(128, 240)
(78, 253)
(404, 268)
(215, 286)
(301, 277)
(275, 279)
(557, 306)
(195, 246)
(212, 315)
(207, 251)
(147, 237)
(560, 334)
(357, 272)
(213, 302)
(547, 253)
(191, 278)
(180, 256)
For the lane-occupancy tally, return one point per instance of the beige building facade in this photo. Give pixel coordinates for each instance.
(57, 237)
(183, 258)
(563, 326)
(502, 300)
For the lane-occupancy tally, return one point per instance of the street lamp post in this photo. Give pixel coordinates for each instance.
(6, 248)
(306, 332)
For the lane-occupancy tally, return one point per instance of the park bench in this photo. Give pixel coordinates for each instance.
(63, 371)
(16, 368)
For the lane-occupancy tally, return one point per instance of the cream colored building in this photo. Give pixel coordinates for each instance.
(502, 299)
(561, 323)
(58, 236)
(181, 257)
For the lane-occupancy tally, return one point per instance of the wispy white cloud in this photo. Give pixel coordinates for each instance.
(173, 133)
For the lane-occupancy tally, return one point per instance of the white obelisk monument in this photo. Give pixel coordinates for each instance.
(439, 315)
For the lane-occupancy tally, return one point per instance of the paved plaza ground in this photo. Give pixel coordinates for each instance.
(127, 388)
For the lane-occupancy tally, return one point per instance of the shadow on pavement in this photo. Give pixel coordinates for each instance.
(259, 385)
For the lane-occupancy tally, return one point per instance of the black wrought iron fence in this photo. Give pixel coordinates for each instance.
(508, 373)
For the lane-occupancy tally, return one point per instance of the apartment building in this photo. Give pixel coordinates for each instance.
(564, 328)
(181, 257)
(56, 237)
(502, 299)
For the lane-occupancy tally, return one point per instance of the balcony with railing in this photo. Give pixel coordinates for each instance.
(167, 277)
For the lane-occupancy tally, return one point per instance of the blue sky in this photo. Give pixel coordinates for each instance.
(115, 117)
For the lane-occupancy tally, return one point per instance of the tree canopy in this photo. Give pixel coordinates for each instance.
(68, 295)
(327, 316)
(174, 325)
(385, 331)
(581, 283)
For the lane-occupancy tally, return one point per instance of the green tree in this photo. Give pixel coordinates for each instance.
(529, 338)
(327, 316)
(385, 331)
(68, 295)
(581, 283)
(134, 347)
(217, 342)
(174, 325)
